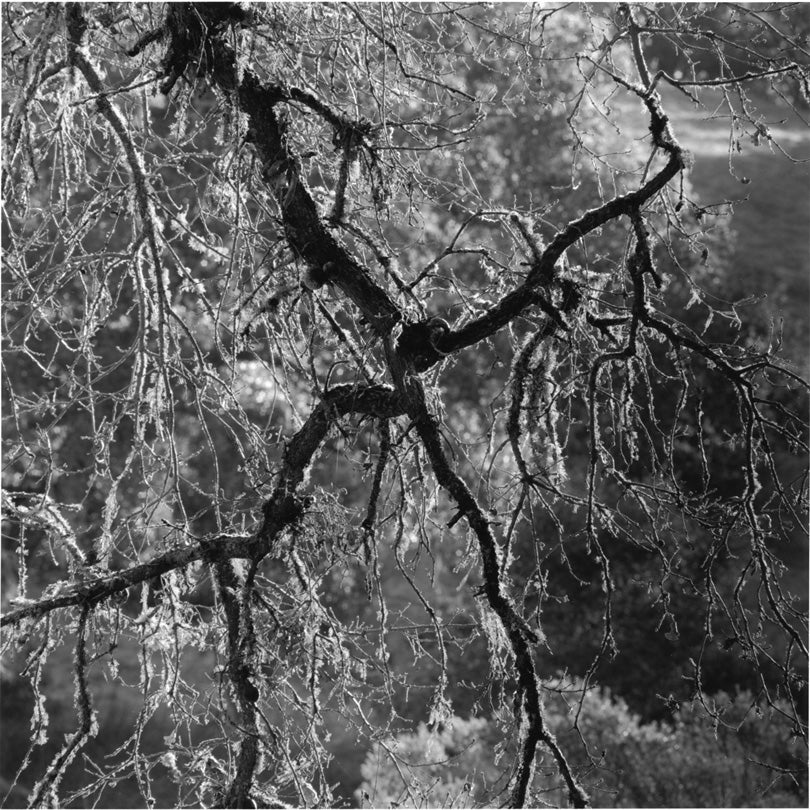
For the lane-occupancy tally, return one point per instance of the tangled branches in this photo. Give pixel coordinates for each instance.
(286, 377)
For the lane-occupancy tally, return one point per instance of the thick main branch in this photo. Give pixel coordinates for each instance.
(521, 636)
(328, 260)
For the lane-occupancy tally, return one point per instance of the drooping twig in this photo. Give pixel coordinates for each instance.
(45, 790)
(281, 510)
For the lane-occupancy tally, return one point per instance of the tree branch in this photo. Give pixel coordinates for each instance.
(521, 636)
(329, 261)
(281, 510)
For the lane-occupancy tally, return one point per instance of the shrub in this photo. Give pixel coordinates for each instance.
(736, 754)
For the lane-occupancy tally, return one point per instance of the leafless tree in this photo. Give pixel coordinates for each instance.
(278, 330)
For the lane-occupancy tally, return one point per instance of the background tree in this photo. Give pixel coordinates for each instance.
(364, 367)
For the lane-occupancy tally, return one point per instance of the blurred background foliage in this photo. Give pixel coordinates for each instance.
(687, 762)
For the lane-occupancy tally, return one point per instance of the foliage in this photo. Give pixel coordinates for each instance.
(694, 761)
(348, 352)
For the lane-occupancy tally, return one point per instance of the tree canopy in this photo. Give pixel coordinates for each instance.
(369, 366)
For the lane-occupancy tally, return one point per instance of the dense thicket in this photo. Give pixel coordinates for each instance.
(375, 366)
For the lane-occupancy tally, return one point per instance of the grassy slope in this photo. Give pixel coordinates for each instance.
(771, 215)
(770, 221)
